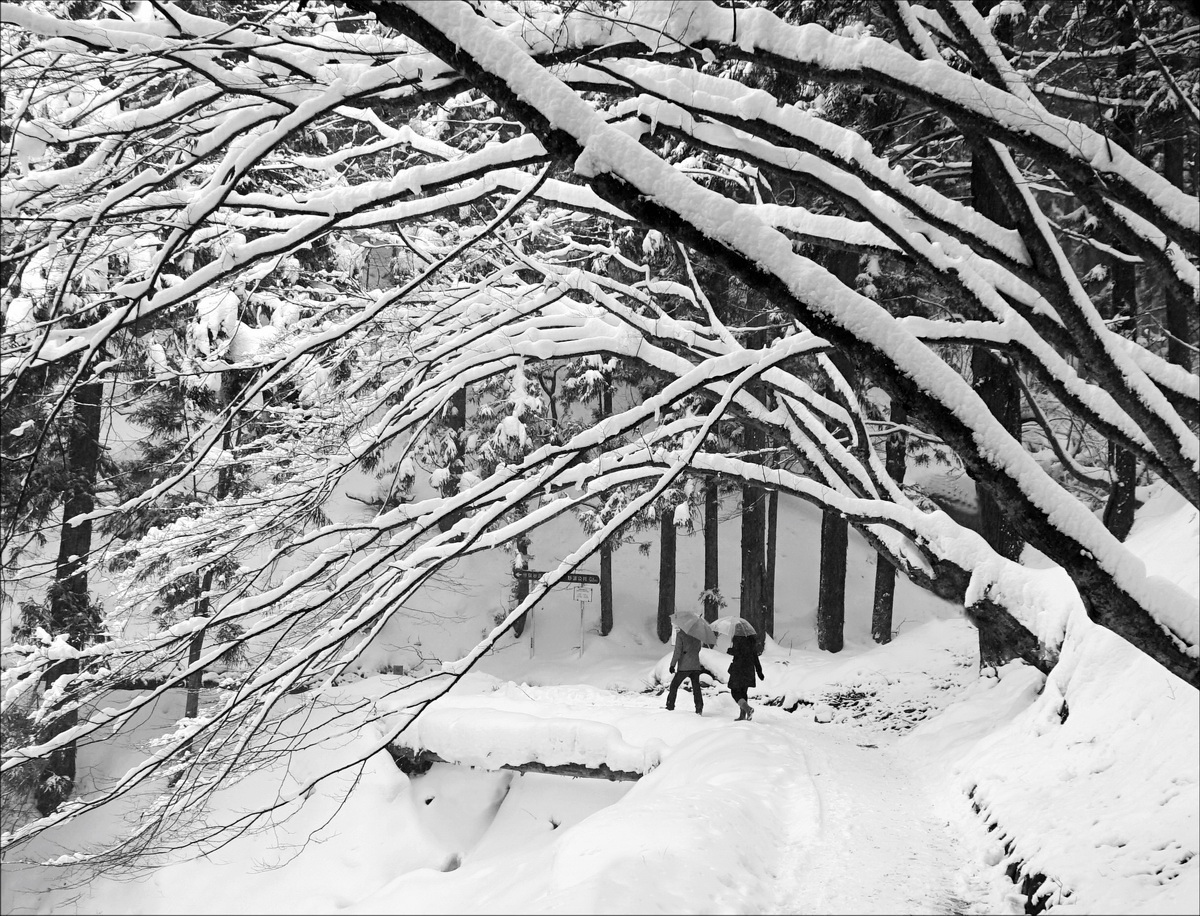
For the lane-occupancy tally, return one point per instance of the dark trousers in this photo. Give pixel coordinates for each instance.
(696, 694)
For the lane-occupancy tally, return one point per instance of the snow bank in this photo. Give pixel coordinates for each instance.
(1091, 775)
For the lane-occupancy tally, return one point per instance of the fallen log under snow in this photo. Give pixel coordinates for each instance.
(481, 732)
(415, 762)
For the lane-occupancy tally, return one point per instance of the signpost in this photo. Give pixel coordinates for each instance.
(582, 595)
(535, 574)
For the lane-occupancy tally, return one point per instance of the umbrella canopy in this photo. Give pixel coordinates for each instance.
(735, 626)
(694, 625)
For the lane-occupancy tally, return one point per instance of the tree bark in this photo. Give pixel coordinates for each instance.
(666, 573)
(231, 384)
(885, 572)
(711, 579)
(994, 380)
(191, 707)
(71, 611)
(753, 554)
(769, 573)
(835, 534)
(456, 425)
(1178, 321)
(1118, 511)
(522, 584)
(831, 603)
(606, 584)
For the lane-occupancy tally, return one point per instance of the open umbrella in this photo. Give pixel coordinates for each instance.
(694, 625)
(734, 626)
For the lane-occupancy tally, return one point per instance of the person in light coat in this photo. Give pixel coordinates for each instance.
(685, 663)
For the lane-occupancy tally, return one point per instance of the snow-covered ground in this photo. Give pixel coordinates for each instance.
(882, 779)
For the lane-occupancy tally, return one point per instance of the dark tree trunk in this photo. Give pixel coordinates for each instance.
(606, 592)
(71, 611)
(769, 573)
(835, 534)
(194, 680)
(753, 550)
(1178, 322)
(666, 573)
(456, 423)
(231, 384)
(752, 601)
(522, 584)
(606, 584)
(711, 579)
(831, 603)
(881, 605)
(885, 572)
(995, 381)
(1118, 511)
(1122, 495)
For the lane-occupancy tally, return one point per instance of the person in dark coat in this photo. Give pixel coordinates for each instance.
(687, 660)
(741, 673)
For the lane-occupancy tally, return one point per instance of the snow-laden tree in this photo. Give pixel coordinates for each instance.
(167, 126)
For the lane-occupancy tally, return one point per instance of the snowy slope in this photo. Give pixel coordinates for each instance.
(1095, 784)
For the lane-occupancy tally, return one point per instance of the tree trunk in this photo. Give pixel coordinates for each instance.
(1178, 323)
(1118, 511)
(753, 555)
(231, 384)
(456, 426)
(711, 579)
(522, 584)
(885, 572)
(666, 572)
(606, 584)
(754, 498)
(831, 604)
(191, 707)
(71, 612)
(994, 380)
(606, 592)
(835, 534)
(769, 572)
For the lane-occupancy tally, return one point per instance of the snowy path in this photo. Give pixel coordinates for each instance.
(877, 842)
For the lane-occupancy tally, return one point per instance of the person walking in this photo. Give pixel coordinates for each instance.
(687, 660)
(742, 669)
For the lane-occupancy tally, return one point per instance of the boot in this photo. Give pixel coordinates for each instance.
(745, 708)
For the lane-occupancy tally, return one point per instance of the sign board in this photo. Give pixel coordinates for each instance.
(582, 594)
(534, 574)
